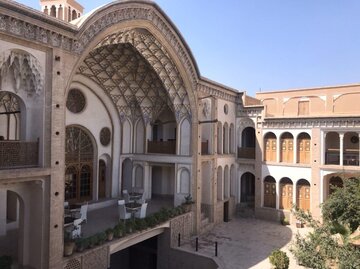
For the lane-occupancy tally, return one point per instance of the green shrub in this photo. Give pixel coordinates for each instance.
(6, 262)
(279, 259)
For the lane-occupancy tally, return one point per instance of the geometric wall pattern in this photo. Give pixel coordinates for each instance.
(140, 78)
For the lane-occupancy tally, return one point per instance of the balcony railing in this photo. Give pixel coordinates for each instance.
(246, 153)
(350, 157)
(205, 148)
(18, 154)
(164, 147)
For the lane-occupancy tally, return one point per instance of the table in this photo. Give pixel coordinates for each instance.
(132, 207)
(68, 221)
(135, 196)
(72, 210)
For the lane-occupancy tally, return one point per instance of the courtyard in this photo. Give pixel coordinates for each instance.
(245, 243)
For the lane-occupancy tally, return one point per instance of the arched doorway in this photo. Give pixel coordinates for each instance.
(269, 192)
(270, 147)
(220, 184)
(248, 189)
(287, 148)
(303, 194)
(126, 174)
(303, 148)
(286, 193)
(79, 161)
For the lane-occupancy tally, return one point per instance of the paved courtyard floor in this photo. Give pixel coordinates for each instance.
(246, 243)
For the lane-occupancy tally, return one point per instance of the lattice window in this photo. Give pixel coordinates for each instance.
(76, 101)
(9, 116)
(73, 264)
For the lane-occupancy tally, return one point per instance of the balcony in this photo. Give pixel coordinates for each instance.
(246, 153)
(18, 154)
(350, 157)
(163, 147)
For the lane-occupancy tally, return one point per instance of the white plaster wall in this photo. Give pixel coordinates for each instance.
(292, 172)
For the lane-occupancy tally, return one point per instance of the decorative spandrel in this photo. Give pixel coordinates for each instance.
(76, 101)
(8, 102)
(105, 136)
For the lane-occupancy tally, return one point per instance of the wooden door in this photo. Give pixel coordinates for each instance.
(304, 150)
(270, 149)
(303, 197)
(270, 194)
(102, 179)
(287, 150)
(286, 196)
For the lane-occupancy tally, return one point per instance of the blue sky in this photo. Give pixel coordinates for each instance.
(267, 44)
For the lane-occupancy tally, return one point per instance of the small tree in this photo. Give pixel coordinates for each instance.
(329, 244)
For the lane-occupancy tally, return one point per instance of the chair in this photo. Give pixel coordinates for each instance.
(76, 232)
(142, 212)
(127, 198)
(83, 212)
(123, 215)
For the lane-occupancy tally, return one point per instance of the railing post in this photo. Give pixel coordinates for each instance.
(196, 244)
(216, 249)
(179, 240)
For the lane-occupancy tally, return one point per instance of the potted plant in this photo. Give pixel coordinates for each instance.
(285, 221)
(188, 203)
(110, 234)
(299, 224)
(101, 238)
(119, 230)
(81, 244)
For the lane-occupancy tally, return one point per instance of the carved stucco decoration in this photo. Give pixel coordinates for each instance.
(25, 70)
(139, 77)
(207, 90)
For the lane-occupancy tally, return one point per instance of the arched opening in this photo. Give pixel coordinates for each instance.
(286, 193)
(184, 182)
(226, 182)
(332, 148)
(10, 116)
(74, 15)
(226, 138)
(303, 148)
(335, 182)
(140, 137)
(287, 148)
(247, 188)
(60, 13)
(248, 139)
(232, 138)
(139, 177)
(126, 136)
(102, 179)
(79, 162)
(233, 191)
(53, 11)
(127, 167)
(219, 138)
(303, 194)
(220, 184)
(269, 192)
(270, 147)
(351, 149)
(164, 133)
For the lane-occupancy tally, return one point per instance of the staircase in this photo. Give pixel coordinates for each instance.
(205, 225)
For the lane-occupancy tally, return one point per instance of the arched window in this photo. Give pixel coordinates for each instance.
(270, 147)
(335, 182)
(79, 157)
(248, 189)
(74, 15)
(220, 184)
(286, 193)
(219, 138)
(332, 145)
(303, 148)
(269, 192)
(287, 148)
(184, 184)
(226, 138)
(248, 139)
(10, 115)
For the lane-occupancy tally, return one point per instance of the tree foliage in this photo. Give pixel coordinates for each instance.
(329, 244)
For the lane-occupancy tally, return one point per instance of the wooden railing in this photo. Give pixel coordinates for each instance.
(164, 147)
(246, 153)
(205, 148)
(18, 154)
